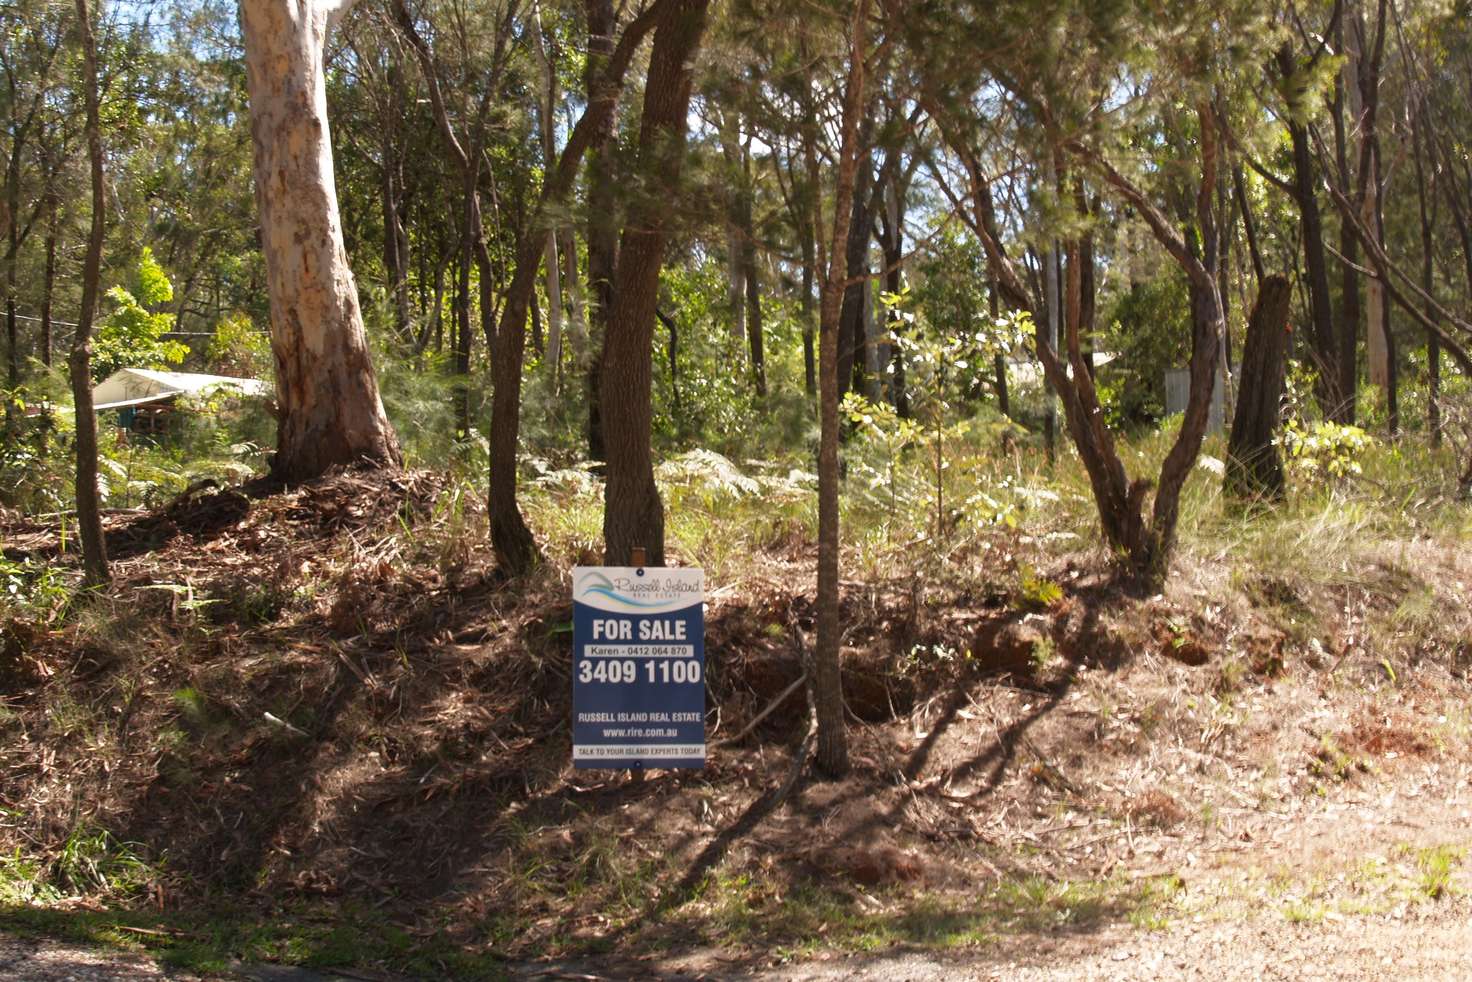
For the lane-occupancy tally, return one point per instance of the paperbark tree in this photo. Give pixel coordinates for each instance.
(329, 410)
(89, 518)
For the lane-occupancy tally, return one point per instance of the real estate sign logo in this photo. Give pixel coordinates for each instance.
(638, 681)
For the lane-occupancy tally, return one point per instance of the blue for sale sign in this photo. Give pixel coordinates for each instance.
(638, 681)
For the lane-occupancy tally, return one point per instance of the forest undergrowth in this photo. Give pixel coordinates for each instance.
(313, 725)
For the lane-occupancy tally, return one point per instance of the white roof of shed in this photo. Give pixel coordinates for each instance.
(1030, 371)
(135, 386)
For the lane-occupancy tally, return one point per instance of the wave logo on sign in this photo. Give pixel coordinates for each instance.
(637, 592)
(602, 586)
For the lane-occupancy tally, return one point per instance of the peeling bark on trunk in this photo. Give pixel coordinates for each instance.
(1254, 469)
(330, 412)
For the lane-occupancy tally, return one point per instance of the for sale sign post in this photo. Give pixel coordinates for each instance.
(638, 680)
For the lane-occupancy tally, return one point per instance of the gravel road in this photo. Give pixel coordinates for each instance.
(56, 961)
(1430, 943)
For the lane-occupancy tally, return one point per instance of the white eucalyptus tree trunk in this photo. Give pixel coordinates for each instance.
(329, 407)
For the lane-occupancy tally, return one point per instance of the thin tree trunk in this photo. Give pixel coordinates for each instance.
(828, 683)
(12, 259)
(1379, 344)
(755, 341)
(851, 323)
(633, 515)
(554, 309)
(744, 278)
(672, 352)
(433, 326)
(463, 335)
(999, 362)
(1428, 224)
(536, 315)
(329, 408)
(577, 324)
(892, 232)
(1088, 301)
(1239, 189)
(89, 518)
(1377, 358)
(809, 274)
(1390, 377)
(738, 223)
(735, 283)
(395, 262)
(1325, 341)
(48, 286)
(1050, 339)
(1351, 305)
(553, 357)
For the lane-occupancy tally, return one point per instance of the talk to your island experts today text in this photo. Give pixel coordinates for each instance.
(638, 681)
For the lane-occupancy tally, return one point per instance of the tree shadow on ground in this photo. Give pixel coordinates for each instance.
(403, 763)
